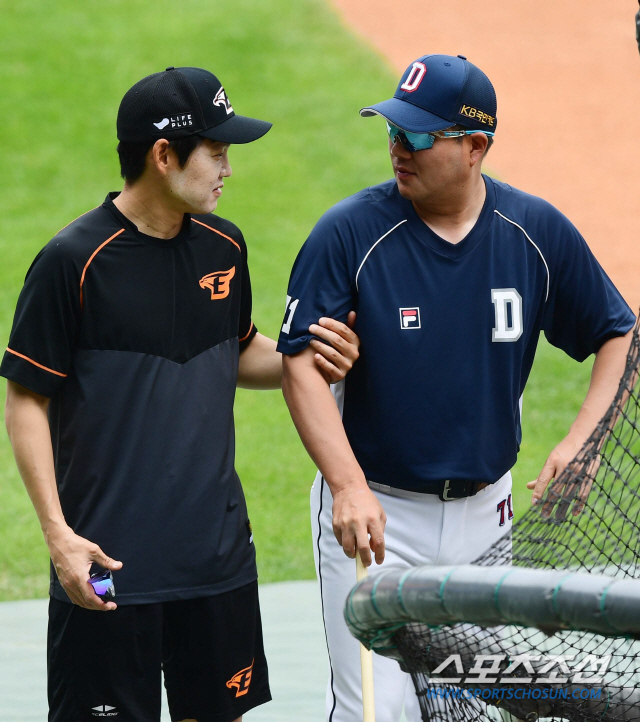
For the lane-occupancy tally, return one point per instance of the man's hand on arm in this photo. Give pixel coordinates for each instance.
(72, 556)
(607, 371)
(335, 361)
(358, 517)
(260, 365)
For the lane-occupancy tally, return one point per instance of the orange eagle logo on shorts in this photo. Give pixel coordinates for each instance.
(241, 680)
(218, 283)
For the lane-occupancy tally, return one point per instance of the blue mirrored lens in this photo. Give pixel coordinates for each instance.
(421, 141)
(392, 131)
(411, 141)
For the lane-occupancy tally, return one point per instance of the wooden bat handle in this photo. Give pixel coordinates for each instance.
(366, 662)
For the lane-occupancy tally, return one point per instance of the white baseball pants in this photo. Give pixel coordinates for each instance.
(420, 530)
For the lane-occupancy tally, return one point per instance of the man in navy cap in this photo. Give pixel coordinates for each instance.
(131, 333)
(453, 275)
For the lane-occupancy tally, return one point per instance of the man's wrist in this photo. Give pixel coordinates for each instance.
(354, 484)
(53, 529)
(581, 430)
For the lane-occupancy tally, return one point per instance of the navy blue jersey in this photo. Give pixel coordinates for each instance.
(448, 331)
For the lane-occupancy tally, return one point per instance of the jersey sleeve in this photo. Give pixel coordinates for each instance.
(322, 283)
(584, 308)
(45, 325)
(246, 328)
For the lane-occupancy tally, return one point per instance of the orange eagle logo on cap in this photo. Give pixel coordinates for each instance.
(241, 680)
(218, 283)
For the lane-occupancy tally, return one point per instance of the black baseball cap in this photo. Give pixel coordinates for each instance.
(179, 102)
(438, 91)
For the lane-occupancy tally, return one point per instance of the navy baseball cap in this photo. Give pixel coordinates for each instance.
(179, 102)
(438, 91)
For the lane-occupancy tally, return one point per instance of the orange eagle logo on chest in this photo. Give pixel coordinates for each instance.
(219, 283)
(241, 680)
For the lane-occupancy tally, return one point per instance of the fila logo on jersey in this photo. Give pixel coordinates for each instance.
(222, 101)
(241, 680)
(219, 283)
(507, 304)
(414, 78)
(104, 710)
(409, 318)
(509, 510)
(183, 120)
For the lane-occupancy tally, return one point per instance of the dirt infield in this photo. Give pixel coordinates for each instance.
(567, 76)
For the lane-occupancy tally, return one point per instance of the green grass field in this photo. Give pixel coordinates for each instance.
(64, 67)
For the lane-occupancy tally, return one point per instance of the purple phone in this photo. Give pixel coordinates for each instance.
(102, 583)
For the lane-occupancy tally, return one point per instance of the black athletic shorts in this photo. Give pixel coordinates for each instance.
(107, 665)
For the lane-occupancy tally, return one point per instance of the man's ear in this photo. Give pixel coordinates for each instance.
(160, 156)
(479, 142)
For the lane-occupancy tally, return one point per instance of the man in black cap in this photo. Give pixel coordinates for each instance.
(454, 276)
(130, 335)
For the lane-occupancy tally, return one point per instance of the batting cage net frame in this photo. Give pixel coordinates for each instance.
(538, 640)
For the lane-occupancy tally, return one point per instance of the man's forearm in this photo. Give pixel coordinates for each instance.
(607, 371)
(358, 517)
(317, 419)
(28, 428)
(260, 365)
(72, 556)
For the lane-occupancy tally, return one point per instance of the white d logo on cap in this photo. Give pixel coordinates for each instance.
(414, 78)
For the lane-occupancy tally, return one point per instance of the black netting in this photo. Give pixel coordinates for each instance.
(588, 520)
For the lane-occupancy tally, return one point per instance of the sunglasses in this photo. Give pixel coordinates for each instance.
(423, 141)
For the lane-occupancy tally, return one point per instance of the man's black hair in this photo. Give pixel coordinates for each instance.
(133, 155)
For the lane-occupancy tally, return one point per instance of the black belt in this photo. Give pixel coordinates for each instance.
(446, 490)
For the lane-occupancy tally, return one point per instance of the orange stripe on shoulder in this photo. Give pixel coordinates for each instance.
(200, 223)
(93, 255)
(248, 334)
(35, 363)
(75, 219)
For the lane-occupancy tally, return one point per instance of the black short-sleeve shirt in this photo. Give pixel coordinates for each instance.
(136, 341)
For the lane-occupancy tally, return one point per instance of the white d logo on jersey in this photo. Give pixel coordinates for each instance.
(507, 303)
